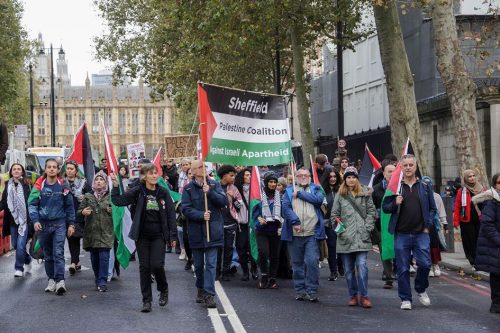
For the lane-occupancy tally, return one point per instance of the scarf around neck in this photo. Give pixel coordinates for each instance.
(266, 211)
(17, 205)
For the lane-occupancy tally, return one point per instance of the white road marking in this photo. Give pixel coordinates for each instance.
(228, 308)
(216, 321)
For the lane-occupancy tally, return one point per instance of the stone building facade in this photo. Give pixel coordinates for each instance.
(128, 112)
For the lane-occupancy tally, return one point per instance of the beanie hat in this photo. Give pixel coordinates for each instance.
(350, 171)
(268, 176)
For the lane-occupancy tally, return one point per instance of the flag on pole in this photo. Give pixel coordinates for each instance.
(315, 176)
(393, 188)
(82, 154)
(255, 200)
(122, 220)
(176, 196)
(369, 167)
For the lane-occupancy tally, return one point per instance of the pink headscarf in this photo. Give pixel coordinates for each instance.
(99, 193)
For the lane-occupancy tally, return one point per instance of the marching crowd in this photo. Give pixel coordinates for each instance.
(295, 225)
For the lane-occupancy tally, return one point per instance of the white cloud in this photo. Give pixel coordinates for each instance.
(72, 24)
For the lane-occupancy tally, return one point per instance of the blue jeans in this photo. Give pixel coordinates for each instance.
(180, 236)
(100, 265)
(19, 244)
(205, 265)
(52, 238)
(304, 253)
(404, 246)
(357, 279)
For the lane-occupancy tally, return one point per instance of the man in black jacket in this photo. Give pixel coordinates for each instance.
(377, 195)
(170, 173)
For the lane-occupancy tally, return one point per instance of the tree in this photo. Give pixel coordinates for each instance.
(174, 44)
(14, 98)
(403, 113)
(460, 88)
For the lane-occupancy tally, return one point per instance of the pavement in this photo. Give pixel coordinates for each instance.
(456, 261)
(460, 303)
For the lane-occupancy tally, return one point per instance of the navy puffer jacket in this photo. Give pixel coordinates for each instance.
(488, 243)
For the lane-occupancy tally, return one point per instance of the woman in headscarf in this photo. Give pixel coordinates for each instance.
(98, 235)
(440, 224)
(17, 224)
(267, 219)
(466, 216)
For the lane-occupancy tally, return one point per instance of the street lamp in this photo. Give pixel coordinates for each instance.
(31, 108)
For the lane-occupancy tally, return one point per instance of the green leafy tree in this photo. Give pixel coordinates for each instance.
(174, 44)
(14, 53)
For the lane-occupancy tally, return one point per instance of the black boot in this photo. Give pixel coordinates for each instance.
(253, 271)
(163, 298)
(146, 307)
(188, 265)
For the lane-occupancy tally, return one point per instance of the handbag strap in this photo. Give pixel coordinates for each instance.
(356, 207)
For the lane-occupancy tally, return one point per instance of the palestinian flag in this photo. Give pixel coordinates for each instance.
(315, 176)
(255, 200)
(369, 167)
(122, 220)
(82, 154)
(176, 196)
(393, 188)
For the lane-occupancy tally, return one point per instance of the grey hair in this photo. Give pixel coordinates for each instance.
(408, 156)
(144, 171)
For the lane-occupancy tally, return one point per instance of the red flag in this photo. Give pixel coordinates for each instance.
(395, 183)
(82, 154)
(157, 163)
(369, 167)
(314, 172)
(207, 120)
(110, 153)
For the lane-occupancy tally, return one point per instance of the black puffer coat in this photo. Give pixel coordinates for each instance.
(488, 243)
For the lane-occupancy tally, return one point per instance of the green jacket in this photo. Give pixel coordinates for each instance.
(98, 231)
(357, 236)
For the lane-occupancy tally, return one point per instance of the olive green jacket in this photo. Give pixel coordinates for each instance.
(357, 236)
(98, 231)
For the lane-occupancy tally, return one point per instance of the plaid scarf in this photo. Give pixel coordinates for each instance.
(17, 205)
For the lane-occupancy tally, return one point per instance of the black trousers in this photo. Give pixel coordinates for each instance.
(269, 250)
(151, 253)
(187, 248)
(225, 254)
(243, 246)
(495, 291)
(470, 232)
(74, 249)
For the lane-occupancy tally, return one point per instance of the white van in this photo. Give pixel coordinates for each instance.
(28, 160)
(44, 153)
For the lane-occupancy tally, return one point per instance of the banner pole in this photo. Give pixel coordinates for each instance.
(207, 226)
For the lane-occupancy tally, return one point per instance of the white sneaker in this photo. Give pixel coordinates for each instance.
(60, 287)
(431, 271)
(182, 256)
(51, 287)
(424, 299)
(437, 270)
(18, 273)
(27, 269)
(412, 269)
(405, 305)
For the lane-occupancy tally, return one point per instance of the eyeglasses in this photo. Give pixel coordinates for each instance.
(303, 176)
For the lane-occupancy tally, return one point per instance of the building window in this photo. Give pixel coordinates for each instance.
(135, 123)
(148, 124)
(41, 124)
(161, 120)
(108, 117)
(123, 122)
(81, 118)
(95, 122)
(69, 123)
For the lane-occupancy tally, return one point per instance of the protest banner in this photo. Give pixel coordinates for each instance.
(243, 128)
(180, 146)
(135, 152)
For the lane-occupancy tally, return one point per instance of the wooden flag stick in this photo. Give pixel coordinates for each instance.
(206, 200)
